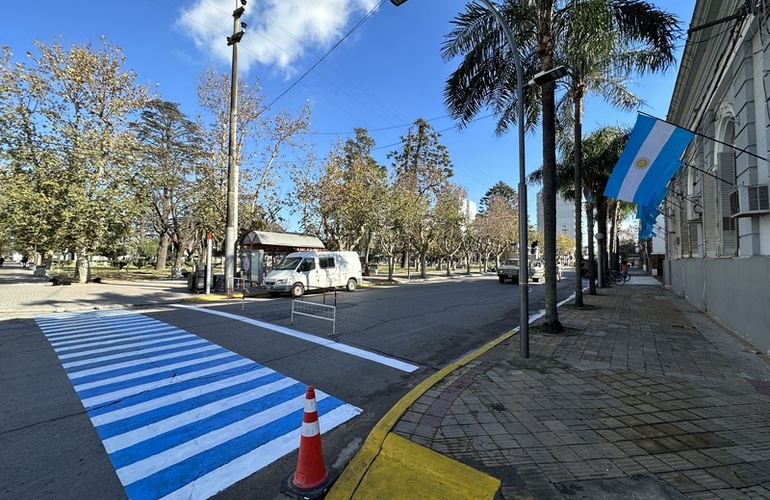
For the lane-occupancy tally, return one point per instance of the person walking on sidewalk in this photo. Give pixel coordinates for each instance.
(24, 261)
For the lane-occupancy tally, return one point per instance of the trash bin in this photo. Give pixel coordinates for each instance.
(191, 282)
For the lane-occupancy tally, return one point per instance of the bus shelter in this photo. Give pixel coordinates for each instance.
(261, 249)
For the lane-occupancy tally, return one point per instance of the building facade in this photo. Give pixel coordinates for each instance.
(717, 208)
(565, 215)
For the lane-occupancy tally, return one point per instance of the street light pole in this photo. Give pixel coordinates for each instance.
(231, 225)
(523, 229)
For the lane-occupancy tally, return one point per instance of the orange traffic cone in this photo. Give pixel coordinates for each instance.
(312, 479)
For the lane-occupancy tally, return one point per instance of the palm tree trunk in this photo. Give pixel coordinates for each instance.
(551, 321)
(591, 267)
(578, 200)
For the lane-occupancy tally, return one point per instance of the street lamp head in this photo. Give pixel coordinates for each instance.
(397, 2)
(552, 75)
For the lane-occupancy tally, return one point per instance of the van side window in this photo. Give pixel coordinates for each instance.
(307, 265)
(326, 262)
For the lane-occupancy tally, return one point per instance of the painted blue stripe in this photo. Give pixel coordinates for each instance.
(185, 433)
(142, 366)
(167, 480)
(116, 428)
(156, 377)
(74, 370)
(110, 337)
(62, 330)
(74, 356)
(117, 343)
(168, 389)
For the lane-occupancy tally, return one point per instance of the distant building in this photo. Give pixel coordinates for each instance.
(470, 209)
(565, 215)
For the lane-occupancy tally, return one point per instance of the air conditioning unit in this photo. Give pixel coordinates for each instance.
(747, 201)
(694, 210)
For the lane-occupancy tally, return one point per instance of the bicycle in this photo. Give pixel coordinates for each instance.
(616, 277)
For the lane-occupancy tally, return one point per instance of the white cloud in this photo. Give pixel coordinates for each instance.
(278, 32)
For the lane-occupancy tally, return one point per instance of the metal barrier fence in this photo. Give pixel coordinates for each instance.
(315, 310)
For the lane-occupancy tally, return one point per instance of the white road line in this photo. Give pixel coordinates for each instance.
(353, 351)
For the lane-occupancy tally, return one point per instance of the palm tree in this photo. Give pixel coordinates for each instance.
(546, 31)
(600, 63)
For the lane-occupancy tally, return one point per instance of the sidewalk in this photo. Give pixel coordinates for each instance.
(24, 295)
(648, 398)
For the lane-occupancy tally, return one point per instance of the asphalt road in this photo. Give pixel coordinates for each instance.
(396, 335)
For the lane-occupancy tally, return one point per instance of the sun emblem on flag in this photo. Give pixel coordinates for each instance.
(642, 163)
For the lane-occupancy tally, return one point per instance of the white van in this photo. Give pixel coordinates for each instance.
(300, 271)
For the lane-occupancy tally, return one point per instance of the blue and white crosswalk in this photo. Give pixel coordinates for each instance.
(180, 417)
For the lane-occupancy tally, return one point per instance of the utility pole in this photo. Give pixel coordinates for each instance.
(231, 228)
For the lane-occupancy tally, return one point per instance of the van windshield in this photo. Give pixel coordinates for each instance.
(288, 264)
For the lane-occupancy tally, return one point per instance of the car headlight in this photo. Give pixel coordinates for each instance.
(280, 282)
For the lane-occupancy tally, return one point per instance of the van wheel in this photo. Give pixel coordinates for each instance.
(501, 278)
(297, 290)
(351, 286)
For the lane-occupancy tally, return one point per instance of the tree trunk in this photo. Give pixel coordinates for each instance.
(591, 254)
(578, 201)
(551, 321)
(162, 253)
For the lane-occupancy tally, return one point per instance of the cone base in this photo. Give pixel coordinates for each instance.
(289, 488)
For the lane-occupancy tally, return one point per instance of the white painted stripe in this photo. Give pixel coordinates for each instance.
(354, 351)
(151, 371)
(141, 352)
(151, 430)
(106, 332)
(115, 341)
(177, 397)
(140, 361)
(124, 332)
(138, 389)
(249, 463)
(150, 465)
(131, 346)
(649, 150)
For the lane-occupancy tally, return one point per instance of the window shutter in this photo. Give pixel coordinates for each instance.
(727, 173)
(710, 214)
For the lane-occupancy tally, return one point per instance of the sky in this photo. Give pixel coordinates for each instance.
(383, 76)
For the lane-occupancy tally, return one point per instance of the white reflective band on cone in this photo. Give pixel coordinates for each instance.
(310, 406)
(310, 429)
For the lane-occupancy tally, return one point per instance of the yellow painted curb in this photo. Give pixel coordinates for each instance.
(354, 474)
(407, 470)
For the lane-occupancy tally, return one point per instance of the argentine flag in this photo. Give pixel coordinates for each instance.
(649, 160)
